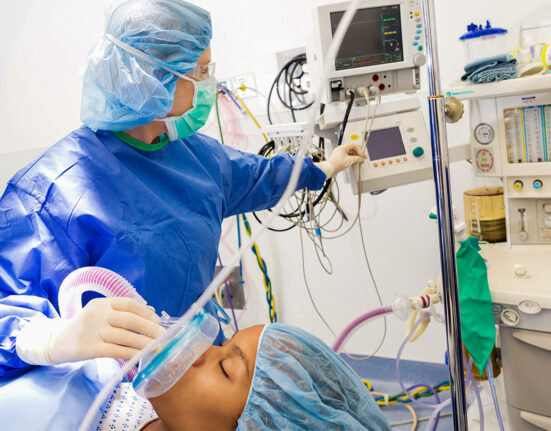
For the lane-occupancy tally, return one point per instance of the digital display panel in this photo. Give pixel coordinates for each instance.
(385, 143)
(374, 37)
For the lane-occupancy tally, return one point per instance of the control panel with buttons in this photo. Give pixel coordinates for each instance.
(529, 186)
(397, 151)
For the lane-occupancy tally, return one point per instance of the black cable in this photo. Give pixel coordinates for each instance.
(294, 63)
(291, 103)
(377, 192)
(271, 228)
(352, 95)
(267, 148)
(322, 139)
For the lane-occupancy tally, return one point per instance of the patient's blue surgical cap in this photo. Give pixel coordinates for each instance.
(122, 91)
(299, 383)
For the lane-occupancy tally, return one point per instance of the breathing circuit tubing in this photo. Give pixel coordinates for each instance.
(348, 330)
(433, 422)
(99, 280)
(225, 272)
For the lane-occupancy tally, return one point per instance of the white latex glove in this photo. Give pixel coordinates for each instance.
(105, 327)
(341, 158)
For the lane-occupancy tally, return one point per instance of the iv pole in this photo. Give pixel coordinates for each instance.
(441, 165)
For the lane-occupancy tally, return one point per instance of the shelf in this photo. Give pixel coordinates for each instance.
(509, 87)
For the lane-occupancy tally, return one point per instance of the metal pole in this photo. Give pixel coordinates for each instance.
(440, 163)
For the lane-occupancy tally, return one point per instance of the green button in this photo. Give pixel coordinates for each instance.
(418, 152)
(420, 47)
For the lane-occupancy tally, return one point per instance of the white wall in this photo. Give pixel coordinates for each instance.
(45, 44)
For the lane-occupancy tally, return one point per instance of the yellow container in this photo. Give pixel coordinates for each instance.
(485, 213)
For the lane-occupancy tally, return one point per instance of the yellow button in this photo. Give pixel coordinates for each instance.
(354, 137)
(397, 160)
(390, 162)
(375, 165)
(416, 14)
(383, 163)
(405, 159)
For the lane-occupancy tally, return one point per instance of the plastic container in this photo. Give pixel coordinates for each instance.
(158, 372)
(483, 42)
(485, 214)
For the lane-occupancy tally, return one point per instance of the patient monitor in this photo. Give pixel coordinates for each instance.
(384, 46)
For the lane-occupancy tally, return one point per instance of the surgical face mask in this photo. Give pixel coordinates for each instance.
(196, 117)
(203, 98)
(158, 372)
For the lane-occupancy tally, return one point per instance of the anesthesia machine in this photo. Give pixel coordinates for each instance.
(510, 124)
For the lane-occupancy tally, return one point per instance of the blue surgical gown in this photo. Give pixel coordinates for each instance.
(154, 217)
(54, 398)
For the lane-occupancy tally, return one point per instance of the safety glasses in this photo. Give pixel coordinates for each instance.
(202, 71)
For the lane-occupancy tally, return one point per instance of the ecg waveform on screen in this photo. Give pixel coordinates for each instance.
(374, 37)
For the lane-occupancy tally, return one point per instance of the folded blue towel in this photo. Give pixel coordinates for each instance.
(491, 69)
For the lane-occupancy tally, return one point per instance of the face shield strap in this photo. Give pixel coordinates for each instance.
(143, 56)
(149, 59)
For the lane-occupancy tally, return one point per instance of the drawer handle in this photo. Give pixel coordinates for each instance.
(543, 422)
(541, 340)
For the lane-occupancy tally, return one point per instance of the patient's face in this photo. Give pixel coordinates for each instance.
(213, 392)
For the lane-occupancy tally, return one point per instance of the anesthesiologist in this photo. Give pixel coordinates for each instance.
(136, 190)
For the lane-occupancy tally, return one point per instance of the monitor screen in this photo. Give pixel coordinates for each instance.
(374, 37)
(385, 143)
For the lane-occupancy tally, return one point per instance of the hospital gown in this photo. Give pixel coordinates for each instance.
(154, 217)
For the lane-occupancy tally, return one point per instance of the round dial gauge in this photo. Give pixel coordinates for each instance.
(547, 221)
(484, 133)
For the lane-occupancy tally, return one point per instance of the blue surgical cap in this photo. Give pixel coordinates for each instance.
(122, 91)
(299, 383)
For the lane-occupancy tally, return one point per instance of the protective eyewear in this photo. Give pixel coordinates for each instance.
(202, 71)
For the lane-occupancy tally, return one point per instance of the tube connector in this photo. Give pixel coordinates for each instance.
(369, 92)
(402, 307)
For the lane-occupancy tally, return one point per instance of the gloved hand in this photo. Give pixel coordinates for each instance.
(105, 327)
(341, 158)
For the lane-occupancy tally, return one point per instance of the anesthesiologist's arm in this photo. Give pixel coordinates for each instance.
(35, 255)
(256, 182)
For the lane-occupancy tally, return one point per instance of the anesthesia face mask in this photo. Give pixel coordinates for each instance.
(159, 371)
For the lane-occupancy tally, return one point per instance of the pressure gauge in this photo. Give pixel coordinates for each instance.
(484, 133)
(547, 221)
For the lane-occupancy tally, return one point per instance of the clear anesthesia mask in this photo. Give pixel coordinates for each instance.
(159, 371)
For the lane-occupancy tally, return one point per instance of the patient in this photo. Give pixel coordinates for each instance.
(272, 377)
